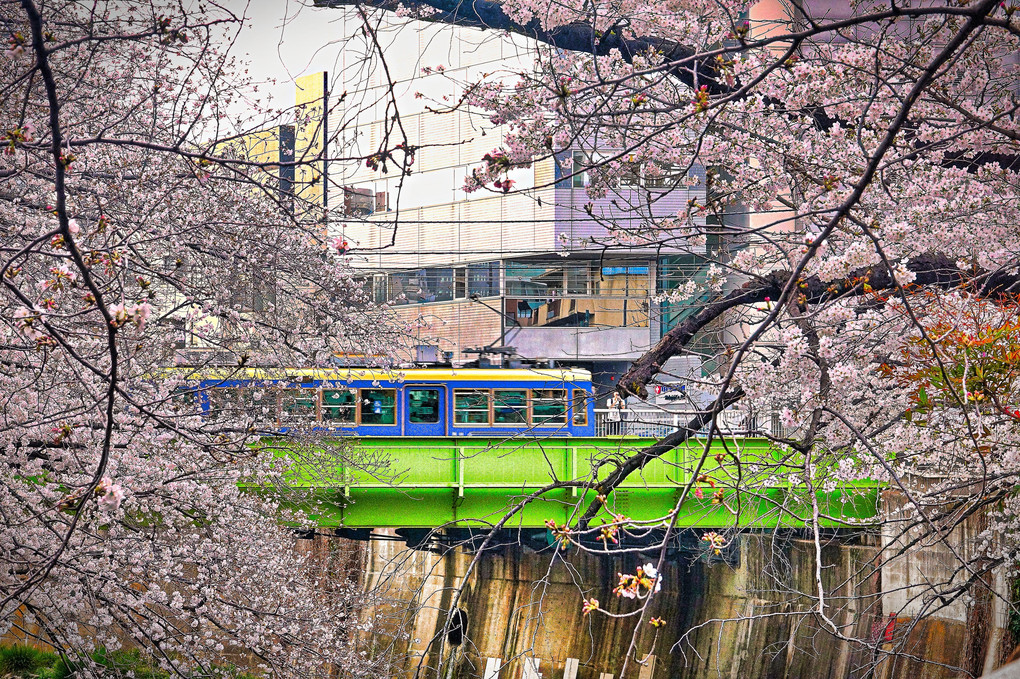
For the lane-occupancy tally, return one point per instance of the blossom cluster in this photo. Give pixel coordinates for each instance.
(644, 582)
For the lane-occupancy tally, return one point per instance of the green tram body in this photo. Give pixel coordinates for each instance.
(472, 482)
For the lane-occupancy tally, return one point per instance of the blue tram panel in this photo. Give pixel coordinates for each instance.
(418, 402)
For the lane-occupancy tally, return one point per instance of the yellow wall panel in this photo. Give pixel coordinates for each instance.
(310, 137)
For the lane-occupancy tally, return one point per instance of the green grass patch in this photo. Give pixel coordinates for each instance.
(26, 662)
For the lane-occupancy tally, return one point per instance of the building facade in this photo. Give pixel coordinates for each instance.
(536, 269)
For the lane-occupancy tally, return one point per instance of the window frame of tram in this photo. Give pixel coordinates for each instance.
(234, 402)
(266, 398)
(292, 401)
(545, 401)
(365, 399)
(220, 401)
(473, 408)
(185, 401)
(342, 401)
(495, 407)
(513, 410)
(579, 404)
(417, 416)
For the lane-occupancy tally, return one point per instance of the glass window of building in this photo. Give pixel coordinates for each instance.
(510, 406)
(578, 278)
(631, 175)
(674, 271)
(548, 279)
(423, 285)
(378, 406)
(580, 162)
(253, 291)
(548, 406)
(578, 293)
(423, 406)
(380, 293)
(624, 280)
(438, 284)
(483, 279)
(471, 406)
(399, 288)
(663, 176)
(534, 279)
(652, 176)
(338, 404)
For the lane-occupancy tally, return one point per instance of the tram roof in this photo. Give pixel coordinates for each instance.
(408, 375)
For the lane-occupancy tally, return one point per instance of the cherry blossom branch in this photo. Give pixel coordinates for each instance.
(42, 63)
(936, 271)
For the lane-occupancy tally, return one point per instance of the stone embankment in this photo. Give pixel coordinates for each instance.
(742, 614)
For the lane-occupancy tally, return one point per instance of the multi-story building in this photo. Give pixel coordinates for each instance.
(293, 153)
(533, 269)
(294, 169)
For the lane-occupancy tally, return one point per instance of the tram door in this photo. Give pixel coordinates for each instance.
(425, 409)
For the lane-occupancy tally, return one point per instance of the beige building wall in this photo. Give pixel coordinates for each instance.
(498, 226)
(451, 326)
(436, 222)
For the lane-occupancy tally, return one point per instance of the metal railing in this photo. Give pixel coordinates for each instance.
(651, 423)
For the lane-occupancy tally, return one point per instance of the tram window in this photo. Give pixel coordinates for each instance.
(510, 406)
(298, 405)
(580, 407)
(378, 406)
(423, 406)
(184, 401)
(548, 406)
(260, 403)
(471, 406)
(338, 405)
(224, 404)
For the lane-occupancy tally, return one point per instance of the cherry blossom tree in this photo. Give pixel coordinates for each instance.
(860, 237)
(135, 236)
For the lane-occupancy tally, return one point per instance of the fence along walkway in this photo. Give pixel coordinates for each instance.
(652, 423)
